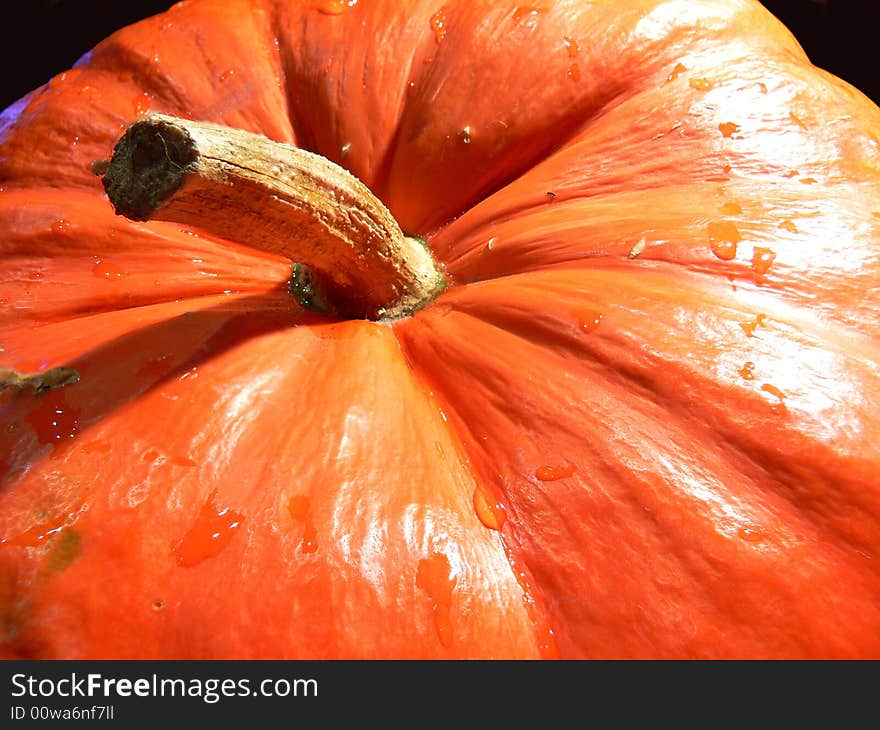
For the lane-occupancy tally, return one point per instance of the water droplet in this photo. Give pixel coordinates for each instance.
(212, 531)
(345, 149)
(732, 209)
(527, 13)
(779, 406)
(747, 371)
(434, 576)
(465, 135)
(789, 225)
(762, 260)
(700, 84)
(724, 236)
(227, 74)
(554, 473)
(106, 270)
(749, 535)
(438, 25)
(750, 327)
(489, 511)
(141, 103)
(490, 244)
(300, 509)
(54, 420)
(797, 120)
(336, 7)
(61, 227)
(590, 322)
(679, 69)
(574, 72)
(728, 129)
(158, 605)
(572, 47)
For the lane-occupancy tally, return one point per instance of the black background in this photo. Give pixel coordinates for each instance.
(48, 36)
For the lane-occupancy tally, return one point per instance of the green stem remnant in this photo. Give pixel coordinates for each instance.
(277, 198)
(37, 382)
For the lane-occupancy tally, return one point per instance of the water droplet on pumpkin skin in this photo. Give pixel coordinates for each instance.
(724, 236)
(574, 72)
(438, 25)
(434, 576)
(61, 227)
(489, 511)
(212, 531)
(150, 455)
(554, 473)
(54, 420)
(335, 7)
(466, 135)
(750, 327)
(700, 84)
(572, 47)
(762, 260)
(227, 74)
(679, 69)
(747, 371)
(299, 507)
(590, 322)
(731, 209)
(547, 648)
(141, 103)
(779, 406)
(528, 13)
(105, 270)
(749, 535)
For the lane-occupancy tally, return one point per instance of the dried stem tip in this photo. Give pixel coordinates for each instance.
(277, 198)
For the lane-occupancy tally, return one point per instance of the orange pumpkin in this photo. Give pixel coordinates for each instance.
(639, 422)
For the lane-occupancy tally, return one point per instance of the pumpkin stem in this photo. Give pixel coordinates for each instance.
(277, 198)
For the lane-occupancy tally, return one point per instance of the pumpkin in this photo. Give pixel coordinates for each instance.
(639, 421)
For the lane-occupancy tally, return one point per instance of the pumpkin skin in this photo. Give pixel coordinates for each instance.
(639, 424)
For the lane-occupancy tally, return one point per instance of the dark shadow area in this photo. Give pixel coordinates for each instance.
(47, 37)
(42, 38)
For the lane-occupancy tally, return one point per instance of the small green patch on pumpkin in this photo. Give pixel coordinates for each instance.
(66, 548)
